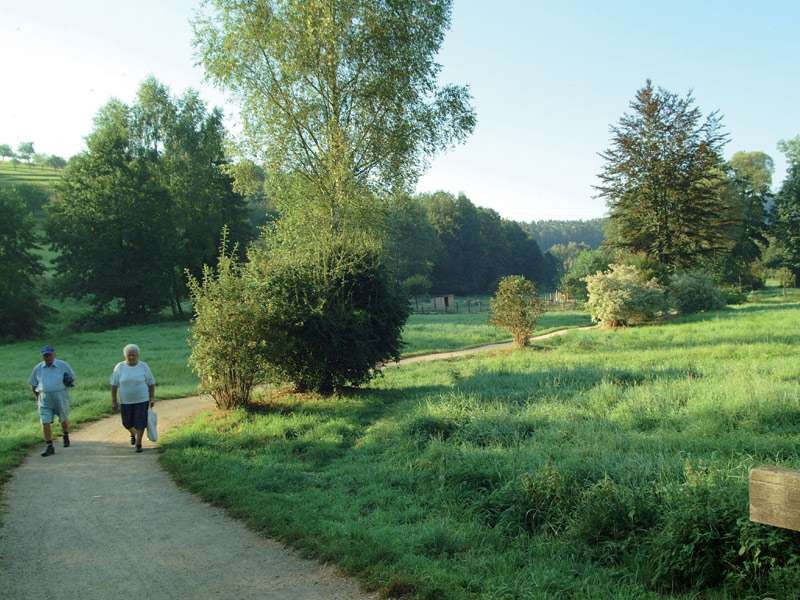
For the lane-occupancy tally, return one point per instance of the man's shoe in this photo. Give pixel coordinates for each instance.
(49, 450)
(138, 447)
(133, 440)
(66, 441)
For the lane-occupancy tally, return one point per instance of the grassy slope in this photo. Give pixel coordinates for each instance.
(11, 174)
(599, 464)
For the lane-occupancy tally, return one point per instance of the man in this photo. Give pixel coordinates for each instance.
(50, 382)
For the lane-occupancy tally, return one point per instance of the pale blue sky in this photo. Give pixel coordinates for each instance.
(548, 79)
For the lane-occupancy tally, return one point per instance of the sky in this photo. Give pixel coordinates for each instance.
(548, 79)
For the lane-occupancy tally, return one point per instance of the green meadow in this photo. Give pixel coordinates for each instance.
(12, 174)
(596, 464)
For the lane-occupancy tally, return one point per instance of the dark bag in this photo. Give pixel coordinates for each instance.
(68, 380)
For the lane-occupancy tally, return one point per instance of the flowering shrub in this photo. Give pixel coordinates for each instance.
(618, 297)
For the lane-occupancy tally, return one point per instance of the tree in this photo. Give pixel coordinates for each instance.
(791, 148)
(748, 190)
(785, 218)
(516, 306)
(662, 179)
(148, 199)
(786, 278)
(339, 101)
(412, 241)
(25, 151)
(588, 262)
(338, 97)
(463, 260)
(6, 151)
(416, 286)
(20, 268)
(56, 162)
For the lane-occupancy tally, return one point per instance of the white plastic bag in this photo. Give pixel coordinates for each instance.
(152, 434)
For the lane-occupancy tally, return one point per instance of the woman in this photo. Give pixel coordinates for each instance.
(136, 386)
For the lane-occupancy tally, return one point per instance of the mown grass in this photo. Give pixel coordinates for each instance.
(598, 464)
(14, 174)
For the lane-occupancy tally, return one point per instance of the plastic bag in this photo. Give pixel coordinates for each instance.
(152, 434)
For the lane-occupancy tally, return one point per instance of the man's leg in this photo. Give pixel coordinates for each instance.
(47, 429)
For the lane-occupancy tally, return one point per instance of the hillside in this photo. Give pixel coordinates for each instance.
(12, 174)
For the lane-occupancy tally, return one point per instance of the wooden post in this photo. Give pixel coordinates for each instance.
(775, 496)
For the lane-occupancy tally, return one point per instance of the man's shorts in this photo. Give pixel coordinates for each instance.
(134, 415)
(51, 404)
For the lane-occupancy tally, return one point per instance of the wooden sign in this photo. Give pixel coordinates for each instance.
(775, 496)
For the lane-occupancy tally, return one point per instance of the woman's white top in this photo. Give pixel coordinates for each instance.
(132, 382)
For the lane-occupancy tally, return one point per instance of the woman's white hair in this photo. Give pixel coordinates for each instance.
(133, 347)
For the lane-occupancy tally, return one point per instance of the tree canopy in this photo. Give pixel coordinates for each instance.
(148, 199)
(339, 98)
(662, 179)
(20, 268)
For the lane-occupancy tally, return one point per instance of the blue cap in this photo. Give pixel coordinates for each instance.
(48, 350)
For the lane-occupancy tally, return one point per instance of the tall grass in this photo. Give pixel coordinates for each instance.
(599, 464)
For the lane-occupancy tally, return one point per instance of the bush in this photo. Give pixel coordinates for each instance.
(516, 306)
(618, 297)
(332, 311)
(227, 335)
(694, 292)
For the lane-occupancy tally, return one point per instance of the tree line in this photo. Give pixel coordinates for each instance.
(676, 206)
(25, 151)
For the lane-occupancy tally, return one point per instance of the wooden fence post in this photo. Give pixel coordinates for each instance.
(775, 496)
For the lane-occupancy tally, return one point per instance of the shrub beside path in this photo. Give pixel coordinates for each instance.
(95, 519)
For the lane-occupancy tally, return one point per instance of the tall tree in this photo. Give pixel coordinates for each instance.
(6, 151)
(748, 190)
(412, 242)
(785, 217)
(147, 200)
(338, 97)
(20, 268)
(662, 179)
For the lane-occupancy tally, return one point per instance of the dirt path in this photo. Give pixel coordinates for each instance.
(438, 355)
(78, 523)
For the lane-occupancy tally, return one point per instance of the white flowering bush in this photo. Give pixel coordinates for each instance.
(618, 297)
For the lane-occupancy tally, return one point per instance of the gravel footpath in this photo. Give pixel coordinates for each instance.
(97, 521)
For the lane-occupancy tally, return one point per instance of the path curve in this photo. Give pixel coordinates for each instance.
(500, 346)
(76, 525)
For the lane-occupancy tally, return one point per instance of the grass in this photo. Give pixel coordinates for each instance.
(599, 464)
(164, 347)
(438, 332)
(14, 174)
(92, 356)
